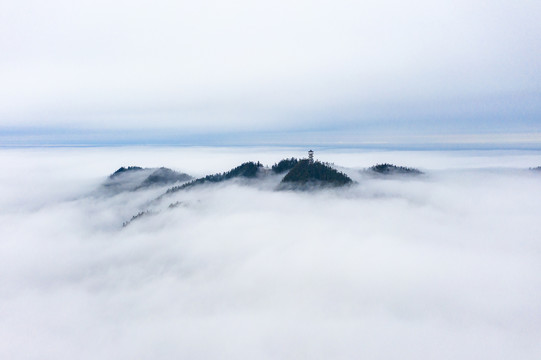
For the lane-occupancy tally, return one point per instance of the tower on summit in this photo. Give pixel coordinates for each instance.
(310, 157)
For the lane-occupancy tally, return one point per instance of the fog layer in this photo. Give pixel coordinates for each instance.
(441, 266)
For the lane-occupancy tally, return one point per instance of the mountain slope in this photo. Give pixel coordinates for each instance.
(133, 178)
(248, 170)
(389, 169)
(164, 176)
(284, 165)
(305, 175)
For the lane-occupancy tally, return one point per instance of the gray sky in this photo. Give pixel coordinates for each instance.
(378, 68)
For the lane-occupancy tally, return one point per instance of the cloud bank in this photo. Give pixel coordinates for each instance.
(440, 266)
(216, 66)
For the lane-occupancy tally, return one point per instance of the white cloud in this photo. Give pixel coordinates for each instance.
(216, 66)
(442, 266)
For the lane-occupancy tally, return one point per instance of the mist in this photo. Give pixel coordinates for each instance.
(445, 265)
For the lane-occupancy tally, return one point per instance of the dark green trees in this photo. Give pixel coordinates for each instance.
(133, 178)
(124, 170)
(247, 170)
(306, 174)
(284, 165)
(389, 169)
(164, 176)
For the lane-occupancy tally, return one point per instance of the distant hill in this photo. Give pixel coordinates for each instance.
(284, 165)
(248, 170)
(133, 178)
(389, 169)
(124, 170)
(164, 176)
(536, 168)
(306, 175)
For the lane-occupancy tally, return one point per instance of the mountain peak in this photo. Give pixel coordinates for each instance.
(124, 170)
(134, 178)
(247, 170)
(389, 169)
(307, 174)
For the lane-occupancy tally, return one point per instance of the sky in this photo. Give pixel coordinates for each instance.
(441, 266)
(280, 72)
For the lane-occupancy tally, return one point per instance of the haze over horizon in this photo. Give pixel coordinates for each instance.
(281, 72)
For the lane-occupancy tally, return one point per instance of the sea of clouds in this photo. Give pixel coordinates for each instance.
(441, 266)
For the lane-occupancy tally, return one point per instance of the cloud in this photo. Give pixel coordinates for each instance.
(215, 66)
(445, 265)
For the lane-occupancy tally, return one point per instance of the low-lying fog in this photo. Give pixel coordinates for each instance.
(446, 265)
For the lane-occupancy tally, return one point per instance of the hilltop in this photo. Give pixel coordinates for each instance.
(121, 171)
(389, 169)
(284, 165)
(133, 178)
(164, 176)
(248, 170)
(307, 174)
